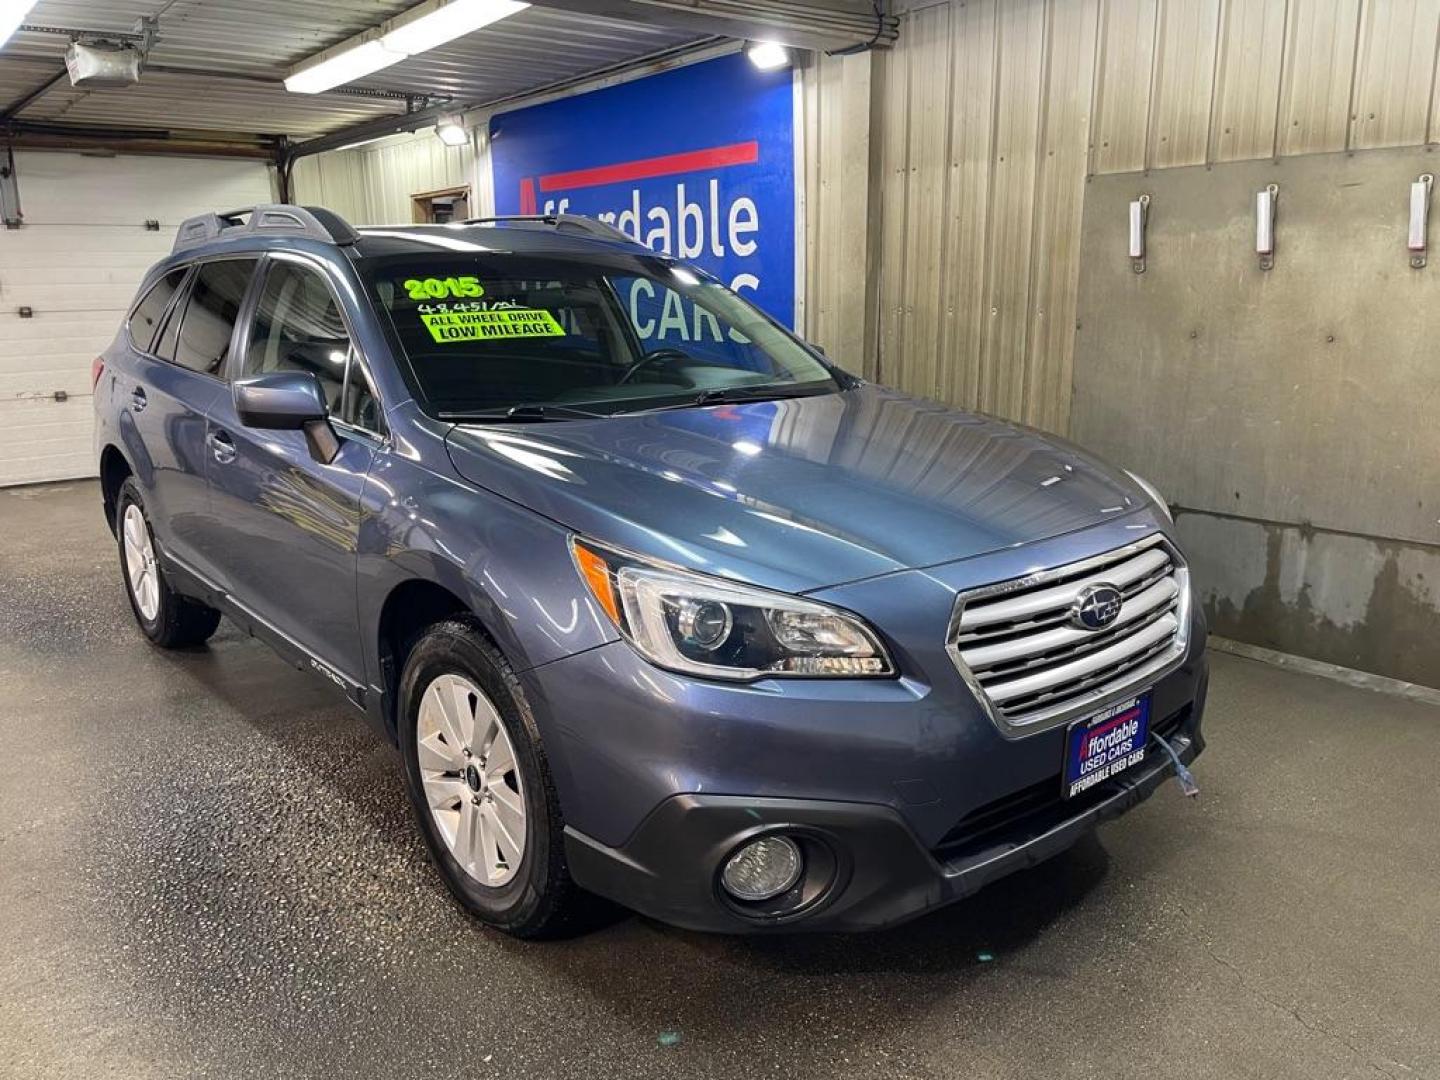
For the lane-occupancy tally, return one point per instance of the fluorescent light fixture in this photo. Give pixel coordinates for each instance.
(768, 55)
(455, 19)
(12, 14)
(342, 68)
(451, 131)
(440, 23)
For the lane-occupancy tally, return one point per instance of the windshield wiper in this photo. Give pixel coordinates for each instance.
(734, 395)
(524, 414)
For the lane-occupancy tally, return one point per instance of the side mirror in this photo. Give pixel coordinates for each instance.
(288, 401)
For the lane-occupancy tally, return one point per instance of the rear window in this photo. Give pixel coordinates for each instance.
(145, 319)
(489, 333)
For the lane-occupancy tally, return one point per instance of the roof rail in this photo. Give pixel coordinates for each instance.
(589, 226)
(270, 219)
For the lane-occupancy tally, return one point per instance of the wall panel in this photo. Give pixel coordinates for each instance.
(1318, 76)
(1059, 197)
(1395, 74)
(837, 104)
(1247, 81)
(978, 202)
(1182, 93)
(1021, 46)
(970, 137)
(1123, 83)
(373, 185)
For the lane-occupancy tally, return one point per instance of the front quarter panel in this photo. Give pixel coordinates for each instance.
(511, 567)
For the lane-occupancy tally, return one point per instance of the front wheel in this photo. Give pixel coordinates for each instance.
(476, 773)
(168, 619)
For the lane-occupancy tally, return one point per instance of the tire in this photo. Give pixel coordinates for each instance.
(464, 796)
(168, 619)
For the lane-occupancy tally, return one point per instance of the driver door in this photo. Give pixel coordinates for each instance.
(292, 523)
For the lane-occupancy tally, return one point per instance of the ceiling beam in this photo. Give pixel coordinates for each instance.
(826, 25)
(25, 134)
(29, 97)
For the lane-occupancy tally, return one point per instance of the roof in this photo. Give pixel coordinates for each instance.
(253, 227)
(512, 237)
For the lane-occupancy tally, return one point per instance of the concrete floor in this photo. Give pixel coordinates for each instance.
(207, 867)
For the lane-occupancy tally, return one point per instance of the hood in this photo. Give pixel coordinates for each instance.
(798, 494)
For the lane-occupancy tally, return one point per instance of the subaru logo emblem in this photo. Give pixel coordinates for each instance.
(1097, 607)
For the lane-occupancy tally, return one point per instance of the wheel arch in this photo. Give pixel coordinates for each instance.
(408, 610)
(114, 469)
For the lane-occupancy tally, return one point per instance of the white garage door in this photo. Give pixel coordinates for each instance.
(76, 263)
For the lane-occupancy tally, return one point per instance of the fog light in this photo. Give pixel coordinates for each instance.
(762, 869)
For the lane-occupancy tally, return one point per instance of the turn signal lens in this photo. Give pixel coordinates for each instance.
(597, 575)
(97, 368)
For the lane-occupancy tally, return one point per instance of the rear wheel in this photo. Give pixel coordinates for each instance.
(477, 777)
(168, 619)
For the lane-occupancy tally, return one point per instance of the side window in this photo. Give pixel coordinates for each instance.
(298, 328)
(165, 347)
(145, 319)
(360, 407)
(215, 296)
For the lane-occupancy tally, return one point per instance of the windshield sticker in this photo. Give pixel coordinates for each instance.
(448, 326)
(432, 288)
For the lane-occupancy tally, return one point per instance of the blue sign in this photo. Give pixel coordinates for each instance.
(698, 162)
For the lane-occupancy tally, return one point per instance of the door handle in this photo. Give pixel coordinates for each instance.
(137, 399)
(221, 448)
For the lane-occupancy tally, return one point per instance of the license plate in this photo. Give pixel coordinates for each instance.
(1105, 744)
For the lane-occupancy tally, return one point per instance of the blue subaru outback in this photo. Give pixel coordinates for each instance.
(656, 602)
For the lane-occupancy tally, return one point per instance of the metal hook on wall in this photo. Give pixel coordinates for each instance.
(1418, 242)
(1139, 216)
(1265, 201)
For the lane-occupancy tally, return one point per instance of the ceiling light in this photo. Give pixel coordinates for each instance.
(342, 68)
(451, 131)
(455, 19)
(12, 14)
(441, 22)
(768, 55)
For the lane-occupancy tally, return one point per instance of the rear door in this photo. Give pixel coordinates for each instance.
(168, 394)
(288, 524)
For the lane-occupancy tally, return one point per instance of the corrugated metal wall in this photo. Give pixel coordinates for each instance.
(838, 228)
(989, 115)
(373, 185)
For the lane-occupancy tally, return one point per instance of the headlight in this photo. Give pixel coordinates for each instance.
(1154, 493)
(722, 630)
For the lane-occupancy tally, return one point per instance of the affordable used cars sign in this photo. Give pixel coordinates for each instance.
(698, 162)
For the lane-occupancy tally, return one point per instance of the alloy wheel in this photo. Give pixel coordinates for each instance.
(471, 780)
(140, 568)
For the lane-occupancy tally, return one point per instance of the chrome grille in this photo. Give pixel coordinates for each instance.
(1033, 669)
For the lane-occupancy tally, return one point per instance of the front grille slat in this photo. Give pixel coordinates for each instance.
(1028, 604)
(1034, 669)
(1137, 607)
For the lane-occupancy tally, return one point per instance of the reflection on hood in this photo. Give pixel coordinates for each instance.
(799, 493)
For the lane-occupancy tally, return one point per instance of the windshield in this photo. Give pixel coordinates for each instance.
(487, 334)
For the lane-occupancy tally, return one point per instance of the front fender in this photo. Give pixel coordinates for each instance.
(510, 567)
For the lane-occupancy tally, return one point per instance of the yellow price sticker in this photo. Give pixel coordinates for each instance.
(453, 326)
(434, 288)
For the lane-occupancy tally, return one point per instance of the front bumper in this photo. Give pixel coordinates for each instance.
(882, 874)
(912, 788)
